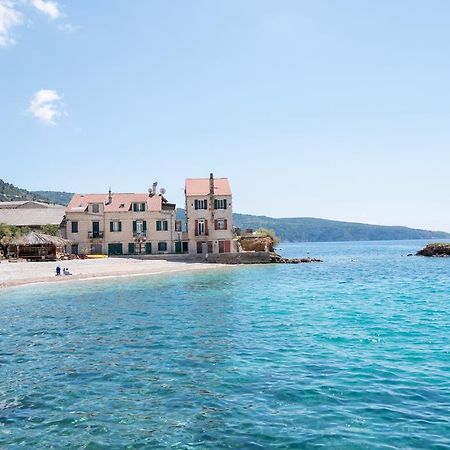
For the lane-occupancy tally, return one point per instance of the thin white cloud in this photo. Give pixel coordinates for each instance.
(10, 17)
(68, 28)
(48, 7)
(46, 105)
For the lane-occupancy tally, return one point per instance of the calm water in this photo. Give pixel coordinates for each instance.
(351, 353)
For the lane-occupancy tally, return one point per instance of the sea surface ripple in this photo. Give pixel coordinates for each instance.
(350, 353)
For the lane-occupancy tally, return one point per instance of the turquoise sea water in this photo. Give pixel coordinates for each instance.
(350, 353)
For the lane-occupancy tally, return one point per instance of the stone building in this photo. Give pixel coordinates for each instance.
(121, 224)
(32, 214)
(209, 216)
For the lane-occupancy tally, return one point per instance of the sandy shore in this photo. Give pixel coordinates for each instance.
(20, 273)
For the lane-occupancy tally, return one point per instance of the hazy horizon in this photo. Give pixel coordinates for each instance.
(335, 110)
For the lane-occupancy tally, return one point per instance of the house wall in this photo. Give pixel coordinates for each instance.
(210, 214)
(123, 237)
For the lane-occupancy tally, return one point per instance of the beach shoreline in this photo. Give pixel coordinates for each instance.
(17, 274)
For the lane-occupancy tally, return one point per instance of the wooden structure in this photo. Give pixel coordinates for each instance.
(36, 246)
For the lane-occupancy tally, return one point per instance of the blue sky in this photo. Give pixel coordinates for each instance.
(333, 109)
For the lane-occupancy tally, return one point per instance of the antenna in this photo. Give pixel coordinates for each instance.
(154, 187)
(162, 191)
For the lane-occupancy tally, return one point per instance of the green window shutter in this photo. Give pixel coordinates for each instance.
(111, 224)
(225, 204)
(148, 247)
(215, 203)
(158, 225)
(134, 226)
(120, 226)
(196, 204)
(144, 225)
(166, 225)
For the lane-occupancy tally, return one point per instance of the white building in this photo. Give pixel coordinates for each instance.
(209, 215)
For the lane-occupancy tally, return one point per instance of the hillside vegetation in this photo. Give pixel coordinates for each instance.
(295, 229)
(308, 229)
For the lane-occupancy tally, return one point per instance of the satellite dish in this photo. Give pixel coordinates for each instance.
(162, 191)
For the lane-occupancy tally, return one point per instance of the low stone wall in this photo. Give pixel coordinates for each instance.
(241, 258)
(226, 258)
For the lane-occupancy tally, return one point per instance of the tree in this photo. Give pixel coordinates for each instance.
(265, 232)
(50, 229)
(7, 233)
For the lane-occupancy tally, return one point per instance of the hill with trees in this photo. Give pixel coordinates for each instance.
(290, 229)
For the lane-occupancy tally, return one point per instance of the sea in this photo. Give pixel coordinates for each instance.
(349, 353)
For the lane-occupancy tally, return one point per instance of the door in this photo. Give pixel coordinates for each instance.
(96, 249)
(115, 249)
(131, 248)
(95, 229)
(148, 248)
(221, 246)
(178, 247)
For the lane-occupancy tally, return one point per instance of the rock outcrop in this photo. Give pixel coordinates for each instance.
(256, 244)
(275, 258)
(439, 249)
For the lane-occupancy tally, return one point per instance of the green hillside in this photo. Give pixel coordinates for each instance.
(295, 229)
(60, 198)
(10, 193)
(308, 229)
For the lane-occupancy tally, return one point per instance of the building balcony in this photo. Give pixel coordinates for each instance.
(139, 234)
(95, 234)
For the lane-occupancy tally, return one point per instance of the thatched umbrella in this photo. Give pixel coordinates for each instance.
(35, 239)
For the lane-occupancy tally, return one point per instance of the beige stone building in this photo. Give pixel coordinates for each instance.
(121, 224)
(209, 215)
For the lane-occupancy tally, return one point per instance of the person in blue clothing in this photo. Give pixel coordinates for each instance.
(58, 271)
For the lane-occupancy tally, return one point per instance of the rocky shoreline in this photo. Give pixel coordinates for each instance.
(439, 249)
(278, 259)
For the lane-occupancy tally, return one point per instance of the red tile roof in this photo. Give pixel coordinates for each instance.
(200, 186)
(120, 202)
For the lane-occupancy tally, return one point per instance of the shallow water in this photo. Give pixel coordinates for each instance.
(350, 353)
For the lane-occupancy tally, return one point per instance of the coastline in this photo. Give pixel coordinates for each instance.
(18, 274)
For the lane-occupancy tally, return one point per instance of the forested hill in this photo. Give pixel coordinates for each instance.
(308, 229)
(11, 193)
(296, 229)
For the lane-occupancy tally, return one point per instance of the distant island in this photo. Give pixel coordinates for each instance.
(294, 229)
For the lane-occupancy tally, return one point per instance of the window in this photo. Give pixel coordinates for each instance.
(201, 204)
(178, 226)
(201, 227)
(115, 226)
(162, 225)
(221, 224)
(74, 227)
(138, 206)
(162, 246)
(74, 249)
(139, 227)
(220, 203)
(95, 208)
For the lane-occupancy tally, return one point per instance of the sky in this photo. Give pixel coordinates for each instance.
(336, 109)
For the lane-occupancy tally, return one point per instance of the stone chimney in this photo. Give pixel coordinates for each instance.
(211, 184)
(109, 196)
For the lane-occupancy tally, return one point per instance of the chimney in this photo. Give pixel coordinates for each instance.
(211, 184)
(109, 196)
